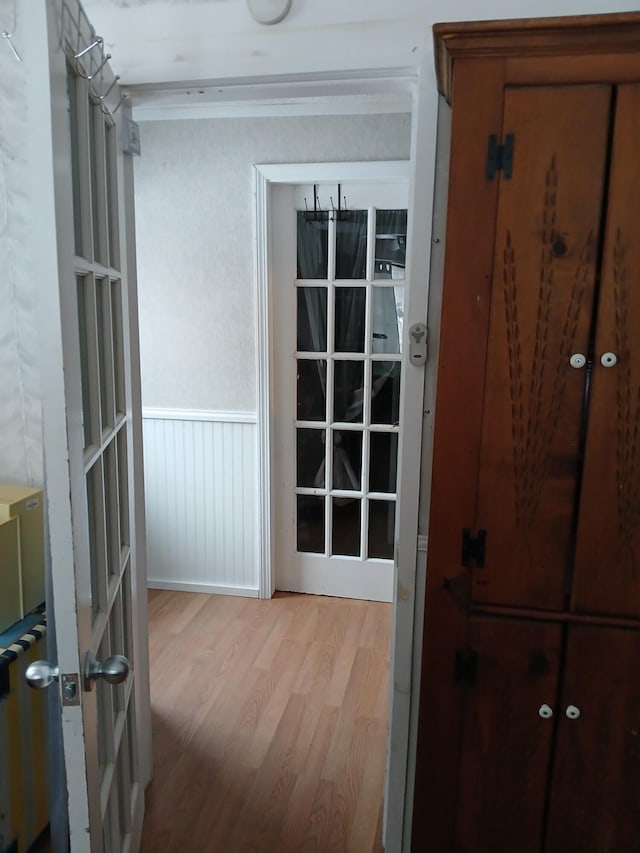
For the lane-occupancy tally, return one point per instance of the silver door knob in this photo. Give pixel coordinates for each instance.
(545, 711)
(578, 360)
(572, 712)
(114, 670)
(41, 674)
(608, 359)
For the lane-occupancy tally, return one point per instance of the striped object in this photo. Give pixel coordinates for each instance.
(24, 811)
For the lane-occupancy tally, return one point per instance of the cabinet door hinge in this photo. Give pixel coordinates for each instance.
(500, 157)
(465, 667)
(473, 549)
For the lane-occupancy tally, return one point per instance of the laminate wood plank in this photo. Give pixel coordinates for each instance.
(243, 725)
(273, 785)
(304, 795)
(282, 675)
(344, 660)
(314, 838)
(360, 698)
(365, 834)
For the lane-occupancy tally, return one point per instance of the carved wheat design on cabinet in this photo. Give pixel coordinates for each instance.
(628, 410)
(536, 399)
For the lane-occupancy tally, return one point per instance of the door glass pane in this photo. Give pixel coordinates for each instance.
(118, 647)
(313, 244)
(349, 319)
(382, 519)
(351, 244)
(124, 784)
(345, 533)
(383, 461)
(97, 549)
(123, 487)
(133, 744)
(95, 166)
(105, 708)
(391, 244)
(84, 359)
(310, 526)
(312, 383)
(387, 311)
(104, 353)
(111, 508)
(112, 192)
(385, 392)
(118, 346)
(348, 390)
(310, 447)
(75, 161)
(347, 460)
(127, 615)
(312, 319)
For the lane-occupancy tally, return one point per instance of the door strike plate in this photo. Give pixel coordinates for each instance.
(418, 344)
(69, 688)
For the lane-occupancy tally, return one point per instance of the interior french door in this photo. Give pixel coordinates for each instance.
(339, 305)
(91, 437)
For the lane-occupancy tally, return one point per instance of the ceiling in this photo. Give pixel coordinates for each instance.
(156, 42)
(177, 54)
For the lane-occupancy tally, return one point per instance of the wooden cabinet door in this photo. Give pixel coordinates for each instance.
(594, 804)
(546, 248)
(506, 744)
(607, 569)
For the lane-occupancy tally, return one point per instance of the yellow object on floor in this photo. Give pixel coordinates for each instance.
(25, 504)
(24, 808)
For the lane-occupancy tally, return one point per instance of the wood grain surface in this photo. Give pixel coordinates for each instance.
(269, 723)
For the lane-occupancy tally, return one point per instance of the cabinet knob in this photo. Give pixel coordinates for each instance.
(578, 360)
(608, 359)
(545, 711)
(572, 712)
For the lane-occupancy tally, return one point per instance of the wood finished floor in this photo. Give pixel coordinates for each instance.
(269, 724)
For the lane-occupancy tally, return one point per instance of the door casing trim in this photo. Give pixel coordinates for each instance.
(265, 176)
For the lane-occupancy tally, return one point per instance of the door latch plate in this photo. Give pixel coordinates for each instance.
(70, 689)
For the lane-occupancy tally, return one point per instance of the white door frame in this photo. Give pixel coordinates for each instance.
(403, 695)
(264, 178)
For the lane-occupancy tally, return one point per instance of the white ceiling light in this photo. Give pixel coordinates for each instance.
(268, 11)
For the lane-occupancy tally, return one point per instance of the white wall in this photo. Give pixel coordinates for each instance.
(194, 211)
(20, 417)
(21, 457)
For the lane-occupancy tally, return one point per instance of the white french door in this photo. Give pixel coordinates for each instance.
(91, 427)
(339, 286)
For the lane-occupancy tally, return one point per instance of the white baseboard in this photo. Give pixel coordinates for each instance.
(211, 588)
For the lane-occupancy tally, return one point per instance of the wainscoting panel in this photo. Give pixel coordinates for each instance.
(201, 502)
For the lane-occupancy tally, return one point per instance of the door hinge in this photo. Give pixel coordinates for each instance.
(465, 667)
(500, 157)
(473, 549)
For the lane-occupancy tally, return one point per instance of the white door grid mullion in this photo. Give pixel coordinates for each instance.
(330, 393)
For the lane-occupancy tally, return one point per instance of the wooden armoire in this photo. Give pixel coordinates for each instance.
(529, 721)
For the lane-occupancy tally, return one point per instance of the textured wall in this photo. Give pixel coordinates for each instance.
(194, 220)
(20, 413)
